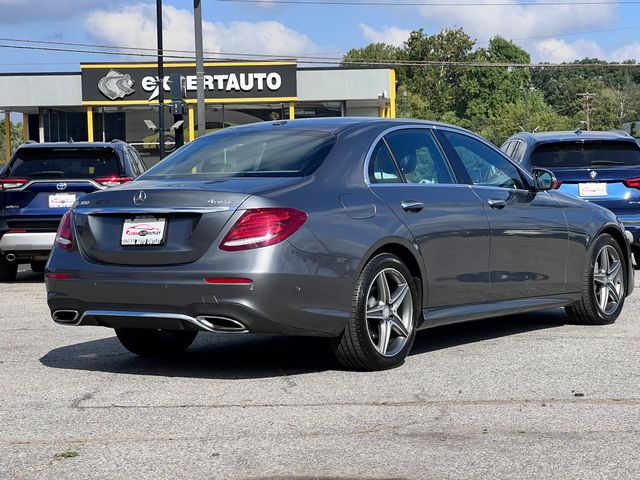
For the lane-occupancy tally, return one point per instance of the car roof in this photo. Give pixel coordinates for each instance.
(333, 124)
(115, 144)
(572, 136)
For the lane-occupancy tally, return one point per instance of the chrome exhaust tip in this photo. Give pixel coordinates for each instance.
(10, 257)
(222, 324)
(65, 316)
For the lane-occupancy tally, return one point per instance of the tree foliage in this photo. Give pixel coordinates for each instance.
(16, 139)
(494, 101)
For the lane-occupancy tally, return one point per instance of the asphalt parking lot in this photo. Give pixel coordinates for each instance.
(517, 397)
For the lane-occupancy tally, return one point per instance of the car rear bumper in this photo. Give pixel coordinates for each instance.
(281, 301)
(27, 242)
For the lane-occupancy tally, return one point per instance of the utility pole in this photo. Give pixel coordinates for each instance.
(197, 20)
(586, 102)
(527, 90)
(160, 79)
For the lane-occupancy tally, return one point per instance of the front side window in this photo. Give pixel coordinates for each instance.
(419, 156)
(484, 165)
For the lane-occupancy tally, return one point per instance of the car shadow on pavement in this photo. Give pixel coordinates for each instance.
(253, 356)
(27, 276)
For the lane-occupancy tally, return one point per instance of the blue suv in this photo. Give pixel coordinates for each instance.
(600, 167)
(40, 183)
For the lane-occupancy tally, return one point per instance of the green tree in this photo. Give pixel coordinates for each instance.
(508, 119)
(488, 88)
(16, 139)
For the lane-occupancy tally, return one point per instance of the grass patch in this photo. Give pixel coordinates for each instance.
(68, 453)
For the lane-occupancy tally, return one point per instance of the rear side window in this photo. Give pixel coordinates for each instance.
(586, 154)
(382, 168)
(35, 163)
(239, 153)
(418, 156)
(518, 151)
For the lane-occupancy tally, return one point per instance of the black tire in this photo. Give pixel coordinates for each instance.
(8, 270)
(587, 311)
(37, 266)
(355, 349)
(155, 343)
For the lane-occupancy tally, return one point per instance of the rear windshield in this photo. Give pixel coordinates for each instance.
(586, 154)
(40, 162)
(248, 154)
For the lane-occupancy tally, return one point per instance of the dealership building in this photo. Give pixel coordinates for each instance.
(103, 102)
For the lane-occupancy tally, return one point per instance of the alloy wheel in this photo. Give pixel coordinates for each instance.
(389, 312)
(608, 279)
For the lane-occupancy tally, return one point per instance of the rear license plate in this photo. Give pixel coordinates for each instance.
(143, 231)
(592, 189)
(61, 200)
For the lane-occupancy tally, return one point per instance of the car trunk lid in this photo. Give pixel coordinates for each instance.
(190, 216)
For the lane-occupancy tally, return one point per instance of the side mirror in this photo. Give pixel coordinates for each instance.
(544, 179)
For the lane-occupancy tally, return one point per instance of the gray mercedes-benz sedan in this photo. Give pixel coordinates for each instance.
(363, 230)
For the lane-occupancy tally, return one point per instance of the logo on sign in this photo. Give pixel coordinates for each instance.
(139, 198)
(116, 85)
(61, 186)
(593, 174)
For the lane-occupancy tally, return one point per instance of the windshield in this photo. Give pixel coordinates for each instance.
(248, 154)
(586, 154)
(34, 163)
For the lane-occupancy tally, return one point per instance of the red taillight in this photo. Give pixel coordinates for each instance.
(17, 231)
(557, 184)
(229, 280)
(9, 183)
(632, 182)
(260, 227)
(112, 181)
(59, 276)
(64, 237)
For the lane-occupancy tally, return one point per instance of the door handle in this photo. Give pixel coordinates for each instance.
(493, 203)
(411, 205)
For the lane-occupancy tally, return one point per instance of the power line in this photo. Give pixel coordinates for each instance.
(358, 62)
(567, 34)
(434, 4)
(189, 52)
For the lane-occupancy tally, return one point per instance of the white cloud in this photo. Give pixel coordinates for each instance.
(627, 52)
(518, 21)
(556, 50)
(135, 26)
(389, 35)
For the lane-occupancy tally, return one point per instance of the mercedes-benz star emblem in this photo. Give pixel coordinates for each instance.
(139, 197)
(593, 174)
(61, 186)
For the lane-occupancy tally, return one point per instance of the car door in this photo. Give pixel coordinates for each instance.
(529, 234)
(408, 171)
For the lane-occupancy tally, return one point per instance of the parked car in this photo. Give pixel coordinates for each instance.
(363, 230)
(600, 167)
(41, 182)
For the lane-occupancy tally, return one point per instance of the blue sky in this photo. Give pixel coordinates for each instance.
(267, 28)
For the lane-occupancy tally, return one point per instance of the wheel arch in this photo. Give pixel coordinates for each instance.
(409, 255)
(616, 232)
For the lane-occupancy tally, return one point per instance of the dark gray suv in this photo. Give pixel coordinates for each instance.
(363, 230)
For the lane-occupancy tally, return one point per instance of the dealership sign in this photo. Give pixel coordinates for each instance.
(224, 81)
